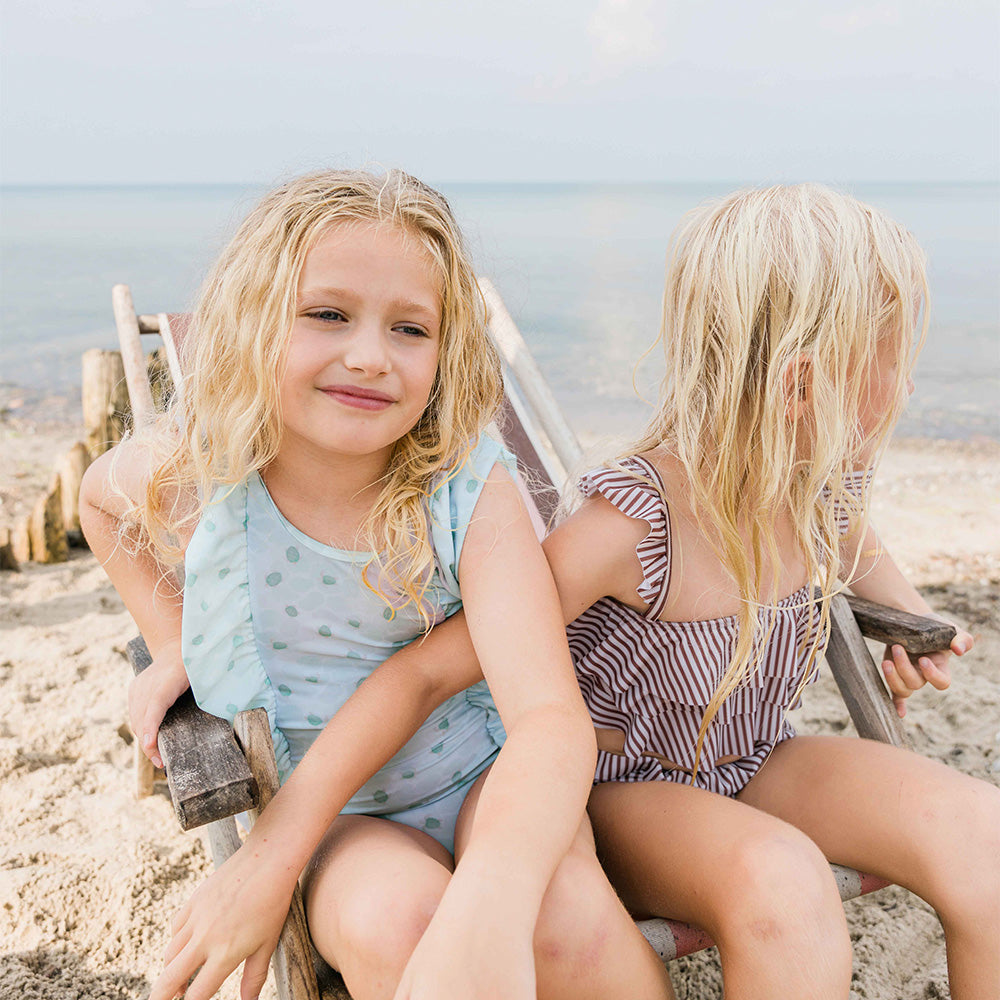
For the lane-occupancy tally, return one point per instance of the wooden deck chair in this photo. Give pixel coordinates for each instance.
(215, 772)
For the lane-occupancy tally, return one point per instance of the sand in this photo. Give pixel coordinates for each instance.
(89, 876)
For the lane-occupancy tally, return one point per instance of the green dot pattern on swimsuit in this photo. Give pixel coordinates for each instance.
(313, 617)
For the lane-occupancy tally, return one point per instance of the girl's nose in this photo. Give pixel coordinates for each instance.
(366, 350)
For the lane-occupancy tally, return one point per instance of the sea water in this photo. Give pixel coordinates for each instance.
(580, 267)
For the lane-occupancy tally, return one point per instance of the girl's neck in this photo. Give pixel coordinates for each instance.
(326, 497)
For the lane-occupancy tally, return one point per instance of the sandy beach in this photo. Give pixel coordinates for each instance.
(89, 877)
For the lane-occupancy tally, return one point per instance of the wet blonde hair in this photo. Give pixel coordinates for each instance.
(226, 422)
(776, 302)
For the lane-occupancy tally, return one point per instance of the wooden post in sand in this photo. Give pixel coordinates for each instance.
(70, 470)
(45, 526)
(105, 400)
(7, 558)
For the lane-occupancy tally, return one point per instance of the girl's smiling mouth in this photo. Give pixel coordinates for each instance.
(361, 399)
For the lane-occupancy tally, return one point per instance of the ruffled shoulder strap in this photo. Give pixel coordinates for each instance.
(453, 503)
(218, 645)
(634, 487)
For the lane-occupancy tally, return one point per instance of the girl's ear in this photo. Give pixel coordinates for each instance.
(798, 386)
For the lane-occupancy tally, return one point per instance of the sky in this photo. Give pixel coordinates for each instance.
(221, 91)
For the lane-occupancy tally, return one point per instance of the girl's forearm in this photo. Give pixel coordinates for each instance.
(878, 578)
(531, 806)
(368, 730)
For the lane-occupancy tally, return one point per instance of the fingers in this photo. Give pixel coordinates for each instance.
(254, 975)
(206, 984)
(901, 677)
(962, 642)
(935, 670)
(175, 976)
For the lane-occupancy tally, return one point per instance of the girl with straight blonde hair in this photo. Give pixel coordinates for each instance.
(687, 575)
(325, 481)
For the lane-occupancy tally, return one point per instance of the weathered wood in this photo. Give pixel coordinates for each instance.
(46, 528)
(859, 680)
(544, 409)
(917, 634)
(8, 560)
(294, 975)
(20, 539)
(132, 357)
(145, 773)
(70, 470)
(207, 773)
(223, 840)
(105, 400)
(161, 385)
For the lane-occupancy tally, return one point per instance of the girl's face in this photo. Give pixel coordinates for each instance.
(364, 345)
(880, 392)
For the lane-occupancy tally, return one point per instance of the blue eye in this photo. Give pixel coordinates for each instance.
(411, 331)
(327, 315)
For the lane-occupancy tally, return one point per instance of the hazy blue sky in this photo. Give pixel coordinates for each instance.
(168, 90)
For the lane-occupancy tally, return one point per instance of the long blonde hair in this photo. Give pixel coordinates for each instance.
(226, 422)
(776, 301)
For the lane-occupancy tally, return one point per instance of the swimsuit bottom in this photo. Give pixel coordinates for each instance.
(725, 779)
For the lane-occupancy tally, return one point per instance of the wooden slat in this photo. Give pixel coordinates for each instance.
(544, 408)
(859, 680)
(294, 975)
(133, 359)
(208, 775)
(915, 633)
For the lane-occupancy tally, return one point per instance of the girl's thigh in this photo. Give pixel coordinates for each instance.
(869, 805)
(371, 878)
(682, 852)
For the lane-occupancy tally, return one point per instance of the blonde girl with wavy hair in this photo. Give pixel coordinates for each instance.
(325, 482)
(687, 574)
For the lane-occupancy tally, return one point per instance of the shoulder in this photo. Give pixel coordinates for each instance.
(119, 484)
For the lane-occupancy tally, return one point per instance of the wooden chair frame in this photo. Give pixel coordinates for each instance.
(215, 772)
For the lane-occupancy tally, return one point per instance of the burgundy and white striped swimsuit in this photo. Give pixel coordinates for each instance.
(652, 680)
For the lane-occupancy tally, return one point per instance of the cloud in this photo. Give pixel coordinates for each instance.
(629, 32)
(861, 18)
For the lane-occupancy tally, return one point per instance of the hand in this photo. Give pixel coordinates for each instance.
(150, 694)
(478, 946)
(472, 962)
(903, 676)
(236, 914)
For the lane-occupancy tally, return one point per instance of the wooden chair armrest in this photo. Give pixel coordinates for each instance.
(917, 634)
(859, 679)
(207, 774)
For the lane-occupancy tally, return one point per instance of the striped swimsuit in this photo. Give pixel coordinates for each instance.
(652, 680)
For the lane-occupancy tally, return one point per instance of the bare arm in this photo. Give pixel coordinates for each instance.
(533, 800)
(151, 593)
(878, 578)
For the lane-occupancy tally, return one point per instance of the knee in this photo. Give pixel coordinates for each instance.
(966, 869)
(780, 890)
(577, 919)
(379, 925)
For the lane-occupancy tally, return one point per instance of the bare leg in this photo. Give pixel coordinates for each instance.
(906, 818)
(760, 887)
(371, 889)
(586, 945)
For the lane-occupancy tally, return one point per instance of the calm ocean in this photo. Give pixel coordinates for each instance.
(579, 266)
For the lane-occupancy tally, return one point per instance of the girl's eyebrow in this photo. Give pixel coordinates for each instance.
(406, 306)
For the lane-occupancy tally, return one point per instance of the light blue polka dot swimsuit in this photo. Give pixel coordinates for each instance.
(274, 619)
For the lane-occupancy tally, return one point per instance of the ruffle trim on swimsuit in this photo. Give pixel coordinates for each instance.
(653, 681)
(221, 658)
(629, 492)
